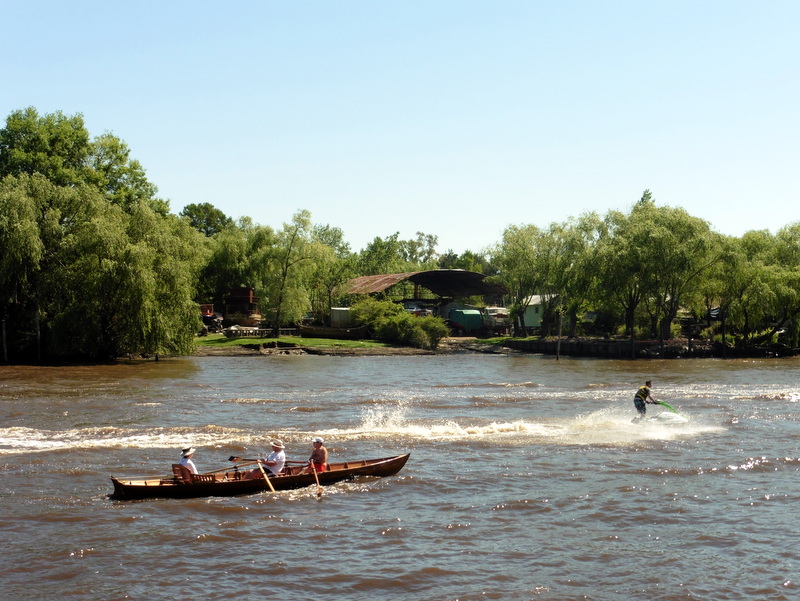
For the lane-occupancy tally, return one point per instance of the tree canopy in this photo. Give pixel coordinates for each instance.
(95, 265)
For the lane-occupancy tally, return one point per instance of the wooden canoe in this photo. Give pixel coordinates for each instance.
(234, 481)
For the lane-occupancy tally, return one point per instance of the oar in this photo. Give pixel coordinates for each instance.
(261, 467)
(314, 469)
(224, 469)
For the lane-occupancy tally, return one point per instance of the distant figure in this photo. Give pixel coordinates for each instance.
(186, 459)
(319, 457)
(642, 398)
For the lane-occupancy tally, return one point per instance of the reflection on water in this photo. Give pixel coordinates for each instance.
(528, 479)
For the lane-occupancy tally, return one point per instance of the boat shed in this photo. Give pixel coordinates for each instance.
(448, 283)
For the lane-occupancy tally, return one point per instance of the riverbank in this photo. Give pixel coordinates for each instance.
(572, 347)
(278, 348)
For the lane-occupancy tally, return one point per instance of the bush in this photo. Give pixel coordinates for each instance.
(402, 329)
(391, 323)
(708, 333)
(435, 328)
(370, 312)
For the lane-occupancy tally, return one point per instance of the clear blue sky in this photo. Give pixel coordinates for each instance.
(454, 118)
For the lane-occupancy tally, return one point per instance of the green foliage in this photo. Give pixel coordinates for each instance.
(392, 255)
(206, 218)
(467, 261)
(391, 323)
(401, 329)
(55, 146)
(122, 179)
(284, 275)
(435, 329)
(370, 312)
(95, 266)
(334, 265)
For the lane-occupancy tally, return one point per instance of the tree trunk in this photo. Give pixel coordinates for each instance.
(38, 337)
(558, 341)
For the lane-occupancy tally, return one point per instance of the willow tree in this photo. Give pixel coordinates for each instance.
(334, 265)
(784, 265)
(122, 179)
(514, 257)
(95, 280)
(569, 265)
(654, 257)
(623, 262)
(286, 268)
(95, 267)
(21, 259)
(682, 249)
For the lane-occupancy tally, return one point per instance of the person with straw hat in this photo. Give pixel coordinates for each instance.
(186, 459)
(276, 460)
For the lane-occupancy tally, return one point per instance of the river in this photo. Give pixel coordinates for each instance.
(527, 480)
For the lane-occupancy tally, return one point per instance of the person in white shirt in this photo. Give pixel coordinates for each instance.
(186, 459)
(276, 459)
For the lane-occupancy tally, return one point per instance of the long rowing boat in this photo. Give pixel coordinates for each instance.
(234, 481)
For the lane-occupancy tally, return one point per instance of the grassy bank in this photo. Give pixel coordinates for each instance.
(219, 341)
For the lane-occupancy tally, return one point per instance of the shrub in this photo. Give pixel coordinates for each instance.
(370, 312)
(391, 323)
(435, 328)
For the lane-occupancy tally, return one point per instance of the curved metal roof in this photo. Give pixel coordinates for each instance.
(442, 282)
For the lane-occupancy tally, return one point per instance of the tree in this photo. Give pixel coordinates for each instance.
(53, 145)
(97, 266)
(285, 271)
(514, 257)
(622, 262)
(382, 256)
(122, 180)
(735, 284)
(206, 218)
(682, 249)
(468, 261)
(420, 252)
(570, 265)
(94, 280)
(334, 265)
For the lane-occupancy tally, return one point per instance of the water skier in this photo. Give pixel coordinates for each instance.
(642, 398)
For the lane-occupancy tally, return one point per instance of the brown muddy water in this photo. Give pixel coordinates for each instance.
(527, 480)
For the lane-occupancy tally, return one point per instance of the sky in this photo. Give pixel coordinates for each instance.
(455, 118)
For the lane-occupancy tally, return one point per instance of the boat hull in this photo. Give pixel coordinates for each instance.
(227, 485)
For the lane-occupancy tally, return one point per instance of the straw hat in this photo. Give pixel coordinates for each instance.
(187, 452)
(277, 443)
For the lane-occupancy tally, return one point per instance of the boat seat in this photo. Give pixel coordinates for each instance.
(182, 473)
(202, 478)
